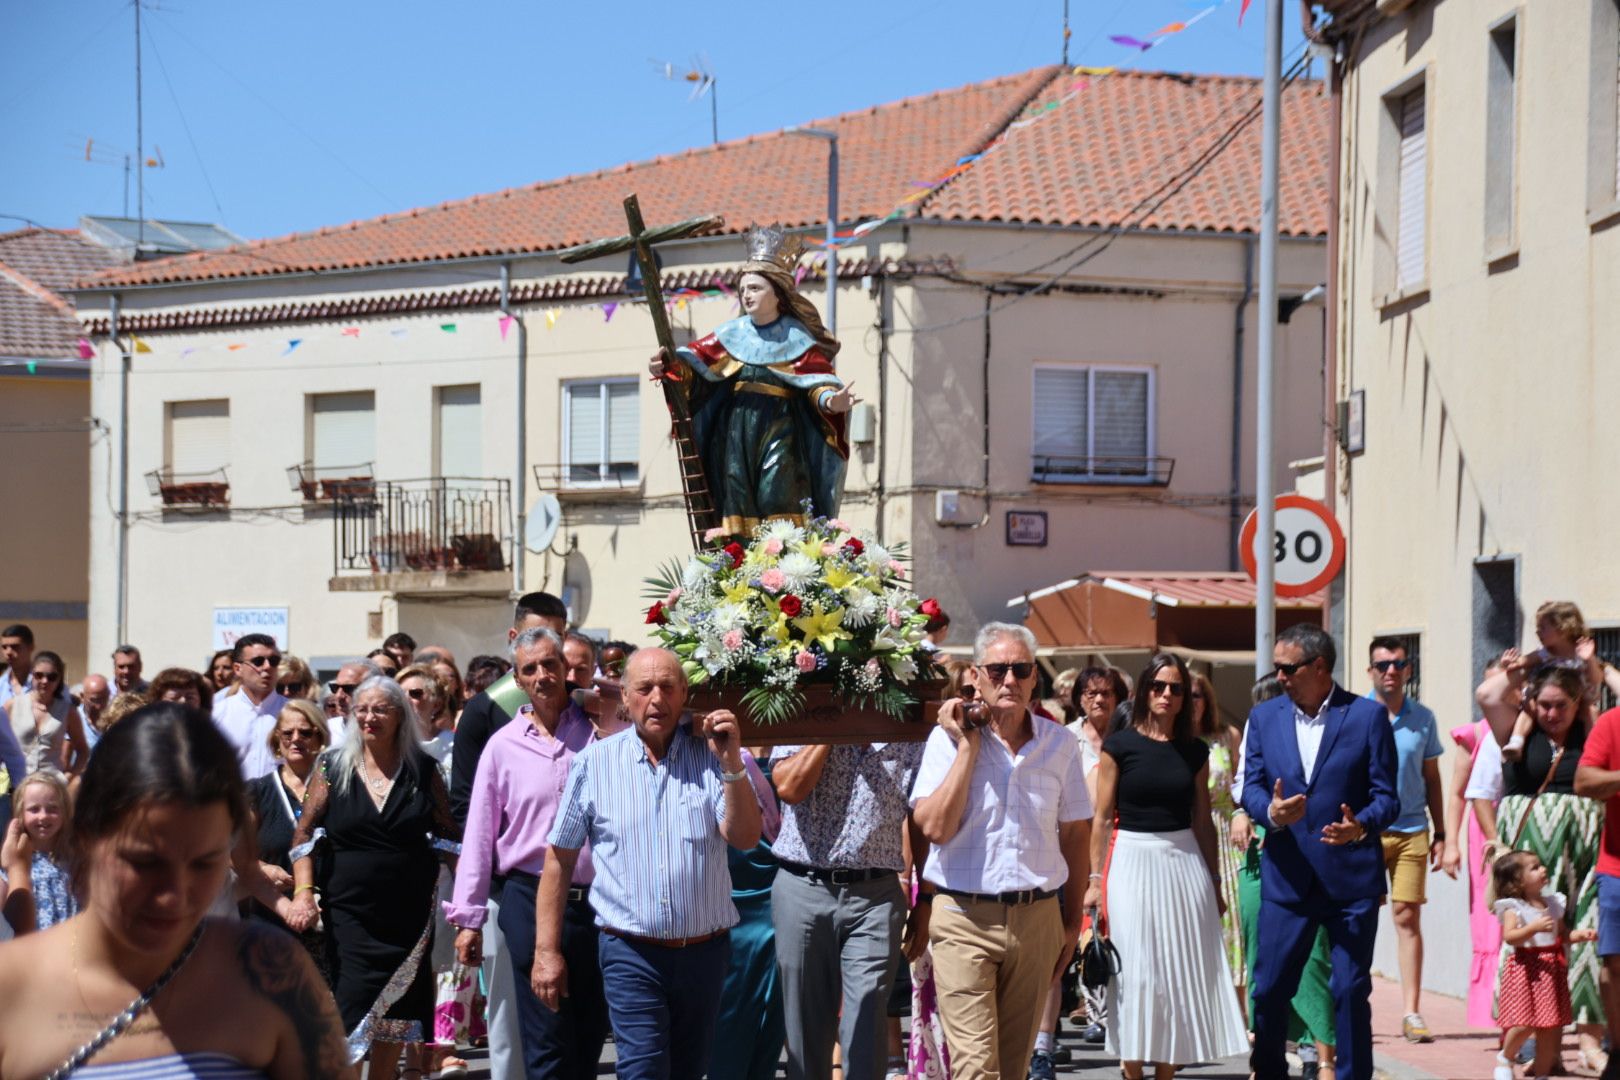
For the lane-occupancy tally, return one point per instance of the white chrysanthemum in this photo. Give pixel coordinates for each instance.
(861, 607)
(876, 557)
(798, 571)
(728, 616)
(696, 575)
(782, 530)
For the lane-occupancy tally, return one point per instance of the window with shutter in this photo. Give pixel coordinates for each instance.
(1092, 424)
(1410, 262)
(601, 439)
(343, 430)
(199, 436)
(461, 434)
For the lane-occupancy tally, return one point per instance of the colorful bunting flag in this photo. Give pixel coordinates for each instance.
(292, 344)
(1130, 42)
(506, 324)
(551, 318)
(233, 348)
(141, 346)
(1243, 10)
(399, 333)
(448, 327)
(86, 351)
(33, 367)
(608, 309)
(351, 331)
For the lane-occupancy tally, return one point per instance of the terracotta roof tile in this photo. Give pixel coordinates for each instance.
(1082, 164)
(35, 266)
(55, 258)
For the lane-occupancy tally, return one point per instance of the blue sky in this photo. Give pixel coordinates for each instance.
(278, 117)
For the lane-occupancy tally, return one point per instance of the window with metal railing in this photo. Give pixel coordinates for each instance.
(1094, 424)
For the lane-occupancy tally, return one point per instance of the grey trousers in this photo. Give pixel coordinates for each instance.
(837, 947)
(505, 1039)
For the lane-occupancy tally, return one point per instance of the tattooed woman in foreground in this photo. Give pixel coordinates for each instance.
(140, 983)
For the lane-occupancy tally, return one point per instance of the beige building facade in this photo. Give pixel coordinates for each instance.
(1475, 335)
(1077, 371)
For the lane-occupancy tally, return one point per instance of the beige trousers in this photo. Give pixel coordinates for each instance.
(992, 965)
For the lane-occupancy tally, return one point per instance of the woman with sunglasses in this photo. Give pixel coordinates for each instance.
(276, 801)
(46, 723)
(1173, 1003)
(295, 680)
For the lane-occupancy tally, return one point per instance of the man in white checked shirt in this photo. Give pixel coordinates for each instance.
(1006, 809)
(658, 809)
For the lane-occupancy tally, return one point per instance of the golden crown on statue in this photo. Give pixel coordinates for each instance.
(772, 244)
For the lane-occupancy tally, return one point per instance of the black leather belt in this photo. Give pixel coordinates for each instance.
(836, 875)
(1019, 896)
(575, 892)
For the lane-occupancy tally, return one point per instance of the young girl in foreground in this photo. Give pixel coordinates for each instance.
(37, 838)
(1534, 995)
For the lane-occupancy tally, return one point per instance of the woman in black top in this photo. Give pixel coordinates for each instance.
(1172, 1004)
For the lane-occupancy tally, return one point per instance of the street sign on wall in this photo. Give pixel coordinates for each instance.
(1308, 545)
(231, 623)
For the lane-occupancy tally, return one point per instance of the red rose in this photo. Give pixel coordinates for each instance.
(735, 550)
(790, 605)
(655, 614)
(931, 608)
(854, 546)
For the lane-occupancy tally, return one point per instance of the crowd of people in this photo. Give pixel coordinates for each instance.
(546, 850)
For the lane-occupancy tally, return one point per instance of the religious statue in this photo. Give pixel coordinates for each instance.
(768, 412)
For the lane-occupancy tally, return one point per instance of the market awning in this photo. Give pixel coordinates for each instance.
(1200, 615)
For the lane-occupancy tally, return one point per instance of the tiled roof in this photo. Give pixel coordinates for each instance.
(1094, 160)
(1198, 588)
(1083, 163)
(35, 264)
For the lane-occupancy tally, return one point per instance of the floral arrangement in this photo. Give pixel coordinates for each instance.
(811, 603)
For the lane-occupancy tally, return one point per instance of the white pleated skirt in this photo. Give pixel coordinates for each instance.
(1173, 1001)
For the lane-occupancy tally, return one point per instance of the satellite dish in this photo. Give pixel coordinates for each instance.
(545, 515)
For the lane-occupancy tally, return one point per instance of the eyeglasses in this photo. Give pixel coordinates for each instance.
(270, 660)
(374, 710)
(1160, 686)
(45, 676)
(290, 688)
(1392, 665)
(307, 734)
(341, 687)
(417, 693)
(1289, 669)
(998, 672)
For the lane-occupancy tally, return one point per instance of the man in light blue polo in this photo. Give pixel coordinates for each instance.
(1411, 850)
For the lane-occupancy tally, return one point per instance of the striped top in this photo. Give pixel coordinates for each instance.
(174, 1067)
(654, 831)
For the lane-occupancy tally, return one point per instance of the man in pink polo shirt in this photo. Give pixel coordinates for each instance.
(515, 797)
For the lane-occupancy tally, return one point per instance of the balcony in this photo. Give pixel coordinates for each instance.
(1083, 469)
(328, 483)
(199, 490)
(423, 536)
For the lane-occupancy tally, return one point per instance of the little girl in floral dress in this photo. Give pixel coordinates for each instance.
(41, 816)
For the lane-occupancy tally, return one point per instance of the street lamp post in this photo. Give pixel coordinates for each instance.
(832, 219)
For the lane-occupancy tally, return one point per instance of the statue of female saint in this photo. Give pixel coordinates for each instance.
(768, 412)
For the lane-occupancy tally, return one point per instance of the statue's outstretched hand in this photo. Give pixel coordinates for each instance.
(843, 400)
(659, 364)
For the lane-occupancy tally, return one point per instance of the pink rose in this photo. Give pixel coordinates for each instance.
(806, 661)
(895, 618)
(773, 546)
(772, 580)
(829, 550)
(674, 595)
(733, 640)
(897, 567)
(714, 534)
(873, 666)
(840, 524)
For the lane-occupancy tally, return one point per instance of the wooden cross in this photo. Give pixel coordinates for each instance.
(701, 512)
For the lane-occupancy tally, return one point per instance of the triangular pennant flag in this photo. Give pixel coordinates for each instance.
(398, 333)
(608, 309)
(33, 367)
(351, 331)
(1243, 10)
(86, 350)
(187, 352)
(448, 327)
(292, 344)
(233, 348)
(141, 346)
(506, 324)
(551, 318)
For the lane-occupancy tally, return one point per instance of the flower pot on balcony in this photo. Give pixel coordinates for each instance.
(825, 717)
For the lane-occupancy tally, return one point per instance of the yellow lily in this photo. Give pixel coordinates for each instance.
(822, 627)
(812, 547)
(738, 591)
(837, 576)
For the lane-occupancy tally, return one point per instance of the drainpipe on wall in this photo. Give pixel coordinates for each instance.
(885, 298)
(123, 472)
(1330, 318)
(1235, 499)
(519, 483)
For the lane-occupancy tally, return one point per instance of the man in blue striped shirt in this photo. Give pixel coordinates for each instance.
(658, 809)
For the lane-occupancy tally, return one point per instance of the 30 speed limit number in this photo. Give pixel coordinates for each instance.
(1308, 545)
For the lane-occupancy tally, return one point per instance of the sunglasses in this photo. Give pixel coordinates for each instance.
(289, 689)
(341, 687)
(1290, 669)
(45, 676)
(307, 734)
(271, 660)
(1160, 686)
(417, 693)
(1392, 665)
(998, 672)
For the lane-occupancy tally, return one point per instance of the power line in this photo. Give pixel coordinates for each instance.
(186, 125)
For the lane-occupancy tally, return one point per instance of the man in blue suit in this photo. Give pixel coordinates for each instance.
(1319, 772)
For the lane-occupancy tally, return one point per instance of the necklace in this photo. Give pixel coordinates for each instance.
(125, 1020)
(377, 783)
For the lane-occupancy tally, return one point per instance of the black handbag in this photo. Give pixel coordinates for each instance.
(1099, 960)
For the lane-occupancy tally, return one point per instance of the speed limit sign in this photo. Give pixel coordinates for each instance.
(1308, 545)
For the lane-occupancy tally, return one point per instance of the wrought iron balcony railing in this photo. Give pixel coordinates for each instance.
(1083, 469)
(443, 523)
